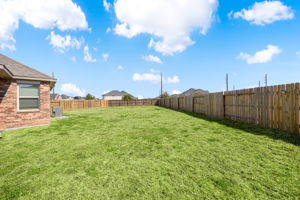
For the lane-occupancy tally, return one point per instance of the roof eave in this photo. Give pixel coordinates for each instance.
(2, 67)
(50, 79)
(34, 78)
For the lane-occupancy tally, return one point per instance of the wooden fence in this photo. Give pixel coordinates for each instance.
(274, 106)
(139, 102)
(83, 104)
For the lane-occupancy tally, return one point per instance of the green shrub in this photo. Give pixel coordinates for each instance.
(127, 97)
(89, 97)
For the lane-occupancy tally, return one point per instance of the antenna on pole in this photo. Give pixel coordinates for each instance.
(161, 85)
(266, 80)
(227, 82)
(54, 85)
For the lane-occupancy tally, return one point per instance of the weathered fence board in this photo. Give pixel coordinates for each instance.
(83, 104)
(274, 106)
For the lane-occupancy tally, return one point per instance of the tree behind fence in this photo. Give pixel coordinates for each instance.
(274, 106)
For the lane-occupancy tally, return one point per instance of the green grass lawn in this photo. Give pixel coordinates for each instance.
(148, 153)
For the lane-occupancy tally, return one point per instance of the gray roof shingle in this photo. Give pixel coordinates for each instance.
(115, 93)
(20, 71)
(192, 91)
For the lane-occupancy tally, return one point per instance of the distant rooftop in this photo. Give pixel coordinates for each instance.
(192, 91)
(63, 96)
(54, 96)
(115, 93)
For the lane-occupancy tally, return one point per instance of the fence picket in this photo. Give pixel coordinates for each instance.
(273, 106)
(83, 104)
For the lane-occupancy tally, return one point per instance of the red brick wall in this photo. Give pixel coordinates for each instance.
(10, 117)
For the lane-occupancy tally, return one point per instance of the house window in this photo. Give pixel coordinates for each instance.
(29, 96)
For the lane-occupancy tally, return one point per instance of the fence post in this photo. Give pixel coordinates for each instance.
(297, 107)
(207, 104)
(193, 103)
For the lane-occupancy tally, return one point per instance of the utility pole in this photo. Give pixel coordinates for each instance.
(233, 87)
(226, 82)
(266, 80)
(258, 83)
(54, 86)
(161, 85)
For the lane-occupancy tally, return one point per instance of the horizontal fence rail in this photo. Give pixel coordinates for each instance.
(273, 106)
(83, 104)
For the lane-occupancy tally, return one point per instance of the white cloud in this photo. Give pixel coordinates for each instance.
(154, 70)
(120, 67)
(105, 56)
(72, 89)
(108, 30)
(146, 77)
(262, 56)
(42, 14)
(174, 79)
(298, 54)
(140, 96)
(266, 12)
(170, 45)
(154, 78)
(87, 55)
(176, 92)
(106, 5)
(170, 22)
(122, 29)
(152, 58)
(63, 43)
(74, 59)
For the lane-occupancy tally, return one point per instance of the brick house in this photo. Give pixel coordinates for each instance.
(24, 95)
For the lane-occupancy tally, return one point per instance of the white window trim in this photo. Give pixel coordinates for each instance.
(18, 95)
(29, 82)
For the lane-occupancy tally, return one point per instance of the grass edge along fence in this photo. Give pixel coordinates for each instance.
(273, 106)
(83, 104)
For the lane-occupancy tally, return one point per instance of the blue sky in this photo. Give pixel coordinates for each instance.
(190, 59)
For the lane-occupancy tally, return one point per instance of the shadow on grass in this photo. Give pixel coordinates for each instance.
(293, 138)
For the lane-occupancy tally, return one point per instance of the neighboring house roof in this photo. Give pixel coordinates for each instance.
(63, 96)
(116, 93)
(18, 70)
(78, 98)
(54, 96)
(192, 91)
